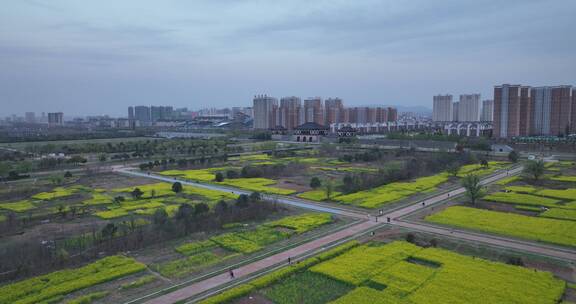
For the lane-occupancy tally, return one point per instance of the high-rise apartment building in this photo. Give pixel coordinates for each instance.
(290, 108)
(442, 108)
(392, 114)
(525, 111)
(455, 111)
(541, 109)
(469, 107)
(573, 113)
(30, 117)
(334, 110)
(512, 111)
(55, 119)
(160, 113)
(265, 112)
(561, 110)
(313, 110)
(131, 113)
(487, 110)
(142, 114)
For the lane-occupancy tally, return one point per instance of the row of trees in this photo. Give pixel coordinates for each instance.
(533, 169)
(140, 147)
(27, 257)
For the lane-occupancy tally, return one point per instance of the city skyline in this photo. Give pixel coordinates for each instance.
(82, 59)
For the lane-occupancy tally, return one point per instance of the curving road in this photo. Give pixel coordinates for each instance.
(369, 223)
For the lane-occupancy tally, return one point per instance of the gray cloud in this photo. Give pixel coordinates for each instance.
(219, 53)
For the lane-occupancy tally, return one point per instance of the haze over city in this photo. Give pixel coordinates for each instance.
(101, 57)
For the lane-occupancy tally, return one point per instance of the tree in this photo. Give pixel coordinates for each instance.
(315, 182)
(177, 187)
(534, 168)
(102, 157)
(484, 163)
(160, 217)
(242, 201)
(513, 156)
(201, 208)
(152, 193)
(4, 168)
(328, 189)
(56, 179)
(219, 177)
(108, 231)
(255, 197)
(221, 207)
(67, 174)
(62, 211)
(453, 169)
(184, 215)
(137, 193)
(232, 174)
(471, 183)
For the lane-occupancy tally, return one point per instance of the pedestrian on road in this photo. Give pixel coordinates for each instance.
(448, 194)
(423, 204)
(388, 219)
(376, 218)
(231, 274)
(289, 261)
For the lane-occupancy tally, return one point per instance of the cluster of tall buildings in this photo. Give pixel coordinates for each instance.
(290, 112)
(467, 109)
(534, 111)
(146, 114)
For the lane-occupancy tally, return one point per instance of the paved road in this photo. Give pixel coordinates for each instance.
(281, 199)
(395, 220)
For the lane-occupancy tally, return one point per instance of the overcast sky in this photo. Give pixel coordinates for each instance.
(99, 57)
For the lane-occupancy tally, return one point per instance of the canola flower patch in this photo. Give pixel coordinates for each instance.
(564, 178)
(58, 192)
(302, 223)
(257, 184)
(63, 282)
(522, 199)
(522, 189)
(382, 195)
(562, 214)
(569, 194)
(406, 277)
(19, 206)
(317, 195)
(184, 266)
(527, 227)
(478, 169)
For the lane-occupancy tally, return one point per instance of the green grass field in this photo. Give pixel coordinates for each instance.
(527, 227)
